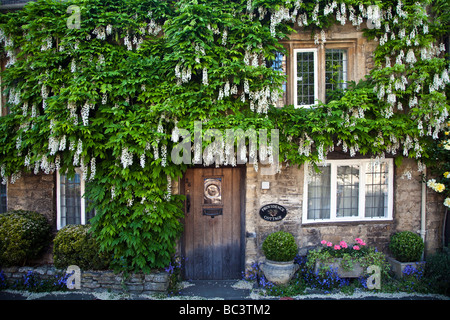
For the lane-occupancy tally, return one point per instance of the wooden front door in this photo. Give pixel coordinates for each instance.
(212, 234)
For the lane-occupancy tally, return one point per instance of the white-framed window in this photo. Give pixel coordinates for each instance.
(318, 71)
(70, 201)
(349, 190)
(306, 80)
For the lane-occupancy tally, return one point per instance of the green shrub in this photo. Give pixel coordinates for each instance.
(437, 270)
(74, 245)
(280, 246)
(23, 236)
(406, 246)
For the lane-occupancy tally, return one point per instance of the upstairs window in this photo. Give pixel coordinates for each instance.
(314, 73)
(279, 64)
(308, 72)
(335, 71)
(306, 77)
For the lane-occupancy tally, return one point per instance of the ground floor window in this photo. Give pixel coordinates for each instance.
(71, 204)
(349, 190)
(3, 198)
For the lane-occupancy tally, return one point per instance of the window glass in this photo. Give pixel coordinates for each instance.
(72, 206)
(3, 194)
(306, 78)
(279, 64)
(70, 200)
(347, 191)
(335, 70)
(376, 190)
(319, 194)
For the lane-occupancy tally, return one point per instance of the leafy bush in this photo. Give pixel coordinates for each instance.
(280, 246)
(23, 236)
(437, 270)
(406, 246)
(74, 245)
(173, 68)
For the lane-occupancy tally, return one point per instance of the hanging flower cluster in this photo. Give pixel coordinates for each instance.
(390, 24)
(106, 97)
(441, 170)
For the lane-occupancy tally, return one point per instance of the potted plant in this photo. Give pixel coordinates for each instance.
(349, 261)
(280, 250)
(406, 248)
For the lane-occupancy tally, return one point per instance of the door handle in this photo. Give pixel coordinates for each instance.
(188, 203)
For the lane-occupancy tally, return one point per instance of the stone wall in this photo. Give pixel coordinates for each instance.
(286, 189)
(35, 193)
(99, 281)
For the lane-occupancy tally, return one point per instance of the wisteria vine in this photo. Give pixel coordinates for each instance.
(114, 96)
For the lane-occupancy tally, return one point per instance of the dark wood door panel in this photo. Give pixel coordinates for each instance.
(212, 243)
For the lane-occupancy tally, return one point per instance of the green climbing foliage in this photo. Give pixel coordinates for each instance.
(112, 97)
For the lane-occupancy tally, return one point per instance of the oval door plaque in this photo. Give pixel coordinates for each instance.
(272, 212)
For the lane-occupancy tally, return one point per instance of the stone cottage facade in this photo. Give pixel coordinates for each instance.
(354, 196)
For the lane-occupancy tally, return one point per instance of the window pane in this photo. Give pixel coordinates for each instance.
(70, 200)
(347, 191)
(3, 195)
(279, 64)
(319, 194)
(305, 78)
(376, 190)
(335, 69)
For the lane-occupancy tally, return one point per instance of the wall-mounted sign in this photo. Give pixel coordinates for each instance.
(273, 212)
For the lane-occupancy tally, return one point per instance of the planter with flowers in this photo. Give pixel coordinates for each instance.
(280, 250)
(406, 248)
(350, 261)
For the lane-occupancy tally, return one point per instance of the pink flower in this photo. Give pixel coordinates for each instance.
(336, 247)
(362, 243)
(356, 248)
(323, 241)
(343, 244)
(358, 240)
(329, 244)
